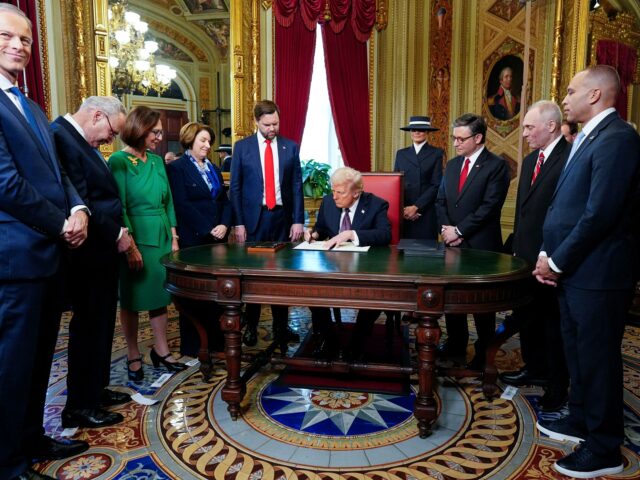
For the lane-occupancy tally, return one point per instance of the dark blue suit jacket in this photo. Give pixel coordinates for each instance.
(36, 196)
(197, 213)
(476, 209)
(93, 180)
(370, 220)
(422, 176)
(591, 228)
(247, 183)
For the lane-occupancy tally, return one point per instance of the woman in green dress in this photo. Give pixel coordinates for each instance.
(149, 216)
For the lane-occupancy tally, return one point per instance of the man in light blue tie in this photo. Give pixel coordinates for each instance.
(40, 215)
(590, 254)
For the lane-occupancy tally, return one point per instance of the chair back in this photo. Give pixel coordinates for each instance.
(390, 187)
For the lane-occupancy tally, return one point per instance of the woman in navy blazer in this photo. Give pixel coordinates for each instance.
(203, 214)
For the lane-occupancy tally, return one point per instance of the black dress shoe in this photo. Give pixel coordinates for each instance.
(583, 463)
(135, 375)
(31, 474)
(250, 336)
(446, 350)
(89, 417)
(157, 360)
(553, 400)
(523, 377)
(110, 398)
(47, 448)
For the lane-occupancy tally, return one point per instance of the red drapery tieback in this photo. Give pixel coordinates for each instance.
(624, 59)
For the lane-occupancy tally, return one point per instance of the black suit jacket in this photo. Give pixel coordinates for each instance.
(95, 184)
(592, 226)
(422, 176)
(533, 200)
(196, 212)
(370, 220)
(476, 210)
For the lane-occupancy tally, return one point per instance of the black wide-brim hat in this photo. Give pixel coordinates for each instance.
(224, 147)
(419, 123)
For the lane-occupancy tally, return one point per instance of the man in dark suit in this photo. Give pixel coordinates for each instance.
(590, 252)
(224, 153)
(422, 167)
(93, 269)
(348, 215)
(40, 212)
(267, 200)
(469, 203)
(539, 320)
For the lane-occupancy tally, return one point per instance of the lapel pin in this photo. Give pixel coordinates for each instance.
(362, 211)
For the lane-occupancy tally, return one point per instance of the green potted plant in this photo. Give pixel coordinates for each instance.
(316, 183)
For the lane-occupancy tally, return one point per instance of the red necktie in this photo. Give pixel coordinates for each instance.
(463, 174)
(536, 170)
(269, 184)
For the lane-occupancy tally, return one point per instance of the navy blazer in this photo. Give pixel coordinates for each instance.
(247, 182)
(422, 176)
(533, 200)
(36, 196)
(476, 210)
(370, 220)
(591, 228)
(197, 213)
(94, 182)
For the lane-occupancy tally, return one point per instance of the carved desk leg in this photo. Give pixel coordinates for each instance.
(234, 388)
(427, 339)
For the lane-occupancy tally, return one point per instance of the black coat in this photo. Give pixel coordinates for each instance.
(476, 210)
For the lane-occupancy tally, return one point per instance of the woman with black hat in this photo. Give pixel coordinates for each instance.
(422, 167)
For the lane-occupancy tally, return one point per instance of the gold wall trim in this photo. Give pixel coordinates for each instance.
(180, 38)
(556, 70)
(382, 15)
(621, 29)
(372, 53)
(44, 57)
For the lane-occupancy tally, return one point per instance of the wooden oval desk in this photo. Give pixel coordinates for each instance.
(463, 281)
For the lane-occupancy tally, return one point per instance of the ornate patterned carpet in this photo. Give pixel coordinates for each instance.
(295, 433)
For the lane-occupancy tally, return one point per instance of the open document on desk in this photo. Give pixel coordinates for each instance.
(341, 247)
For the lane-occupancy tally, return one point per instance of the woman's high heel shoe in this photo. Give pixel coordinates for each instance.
(171, 366)
(135, 375)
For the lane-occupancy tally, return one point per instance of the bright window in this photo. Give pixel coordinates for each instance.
(319, 140)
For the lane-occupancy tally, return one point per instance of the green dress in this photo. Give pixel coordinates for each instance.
(149, 216)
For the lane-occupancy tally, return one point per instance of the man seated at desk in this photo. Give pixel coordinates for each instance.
(347, 215)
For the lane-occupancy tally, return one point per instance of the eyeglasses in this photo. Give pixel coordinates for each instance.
(113, 132)
(158, 133)
(455, 139)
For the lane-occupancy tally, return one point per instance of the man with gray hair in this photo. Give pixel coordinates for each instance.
(93, 269)
(539, 320)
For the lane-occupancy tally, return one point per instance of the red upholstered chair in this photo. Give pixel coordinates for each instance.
(389, 186)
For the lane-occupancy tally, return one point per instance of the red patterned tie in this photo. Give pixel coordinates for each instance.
(463, 174)
(269, 184)
(539, 163)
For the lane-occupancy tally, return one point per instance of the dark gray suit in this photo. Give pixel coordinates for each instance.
(539, 320)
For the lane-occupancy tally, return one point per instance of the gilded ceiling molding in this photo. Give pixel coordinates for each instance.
(44, 57)
(556, 69)
(180, 38)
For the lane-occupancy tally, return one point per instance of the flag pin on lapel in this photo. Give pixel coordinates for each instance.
(362, 211)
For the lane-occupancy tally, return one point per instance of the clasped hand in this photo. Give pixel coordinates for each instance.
(450, 236)
(75, 230)
(543, 272)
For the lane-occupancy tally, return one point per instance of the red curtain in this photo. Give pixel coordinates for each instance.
(295, 48)
(624, 59)
(345, 59)
(34, 78)
(347, 25)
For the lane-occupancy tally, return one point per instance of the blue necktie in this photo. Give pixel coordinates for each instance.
(574, 147)
(215, 184)
(28, 114)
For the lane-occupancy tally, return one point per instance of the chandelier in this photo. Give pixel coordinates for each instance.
(133, 67)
